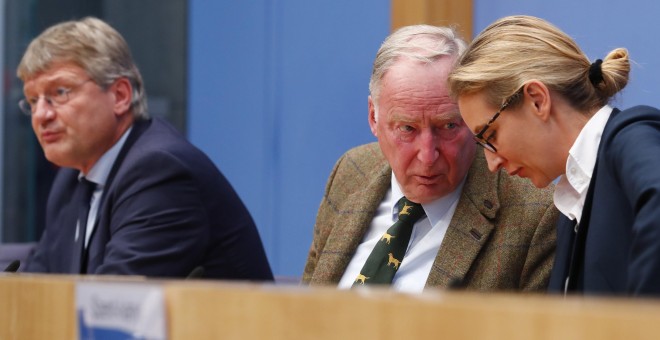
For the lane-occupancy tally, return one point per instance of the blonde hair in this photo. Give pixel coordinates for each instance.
(94, 46)
(424, 43)
(517, 49)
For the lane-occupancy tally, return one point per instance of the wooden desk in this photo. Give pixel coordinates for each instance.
(42, 307)
(37, 307)
(242, 312)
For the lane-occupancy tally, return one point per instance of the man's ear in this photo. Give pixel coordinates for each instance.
(123, 92)
(372, 117)
(537, 95)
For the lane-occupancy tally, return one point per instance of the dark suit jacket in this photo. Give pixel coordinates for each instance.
(619, 233)
(165, 210)
(501, 237)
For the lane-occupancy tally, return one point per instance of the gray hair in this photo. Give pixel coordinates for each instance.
(420, 42)
(94, 46)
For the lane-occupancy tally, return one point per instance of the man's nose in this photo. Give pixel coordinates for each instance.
(428, 149)
(494, 160)
(43, 107)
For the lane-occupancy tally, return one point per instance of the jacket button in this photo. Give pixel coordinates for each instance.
(488, 204)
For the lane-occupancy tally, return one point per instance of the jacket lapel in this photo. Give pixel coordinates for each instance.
(96, 247)
(353, 218)
(470, 227)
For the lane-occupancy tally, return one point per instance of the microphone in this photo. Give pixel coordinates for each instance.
(196, 273)
(13, 266)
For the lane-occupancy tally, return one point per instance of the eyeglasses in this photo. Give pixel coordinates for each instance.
(479, 137)
(58, 96)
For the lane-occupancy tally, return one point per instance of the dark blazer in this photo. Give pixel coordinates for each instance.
(165, 210)
(501, 237)
(618, 247)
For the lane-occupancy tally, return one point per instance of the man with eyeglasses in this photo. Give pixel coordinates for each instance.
(132, 197)
(478, 230)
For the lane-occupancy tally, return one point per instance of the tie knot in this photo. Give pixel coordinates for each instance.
(409, 211)
(87, 187)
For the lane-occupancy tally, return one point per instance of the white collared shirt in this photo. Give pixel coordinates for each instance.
(424, 244)
(571, 190)
(98, 174)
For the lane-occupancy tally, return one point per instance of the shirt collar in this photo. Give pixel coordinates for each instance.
(571, 190)
(101, 170)
(435, 210)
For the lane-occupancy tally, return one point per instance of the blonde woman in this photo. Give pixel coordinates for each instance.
(539, 107)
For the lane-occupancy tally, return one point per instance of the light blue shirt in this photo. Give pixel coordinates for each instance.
(425, 241)
(98, 174)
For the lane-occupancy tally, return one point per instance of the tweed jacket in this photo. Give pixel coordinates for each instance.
(501, 236)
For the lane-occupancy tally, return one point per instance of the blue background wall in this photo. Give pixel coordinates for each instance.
(277, 92)
(598, 27)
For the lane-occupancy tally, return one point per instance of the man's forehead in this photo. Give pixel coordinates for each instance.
(53, 73)
(441, 66)
(449, 113)
(415, 79)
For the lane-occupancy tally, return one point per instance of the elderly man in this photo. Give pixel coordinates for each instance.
(457, 224)
(133, 196)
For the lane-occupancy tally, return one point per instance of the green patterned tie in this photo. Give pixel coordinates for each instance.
(384, 260)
